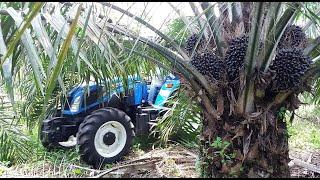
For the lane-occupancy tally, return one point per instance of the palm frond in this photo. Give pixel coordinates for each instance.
(28, 43)
(251, 58)
(6, 69)
(181, 121)
(215, 28)
(181, 51)
(13, 142)
(58, 68)
(275, 33)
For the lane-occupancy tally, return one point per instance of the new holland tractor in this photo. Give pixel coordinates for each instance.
(103, 125)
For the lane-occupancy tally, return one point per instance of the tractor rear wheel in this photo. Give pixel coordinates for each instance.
(105, 136)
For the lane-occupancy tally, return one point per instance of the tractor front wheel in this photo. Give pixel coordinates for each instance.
(105, 136)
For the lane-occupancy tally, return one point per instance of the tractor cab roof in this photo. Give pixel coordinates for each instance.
(116, 84)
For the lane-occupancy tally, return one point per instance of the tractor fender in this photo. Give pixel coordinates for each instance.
(115, 102)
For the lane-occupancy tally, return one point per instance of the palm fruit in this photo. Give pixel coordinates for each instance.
(235, 56)
(192, 42)
(214, 66)
(198, 62)
(293, 36)
(289, 66)
(209, 64)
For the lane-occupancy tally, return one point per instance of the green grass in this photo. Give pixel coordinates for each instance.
(304, 134)
(40, 153)
(55, 163)
(305, 130)
(143, 142)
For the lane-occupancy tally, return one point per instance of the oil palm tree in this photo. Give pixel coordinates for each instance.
(247, 63)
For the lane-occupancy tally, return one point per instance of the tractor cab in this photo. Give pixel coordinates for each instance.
(84, 98)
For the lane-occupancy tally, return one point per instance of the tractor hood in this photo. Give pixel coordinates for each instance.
(80, 87)
(116, 84)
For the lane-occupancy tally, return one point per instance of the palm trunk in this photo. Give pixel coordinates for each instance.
(238, 146)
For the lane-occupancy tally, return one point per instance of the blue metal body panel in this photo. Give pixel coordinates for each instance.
(79, 92)
(138, 95)
(165, 91)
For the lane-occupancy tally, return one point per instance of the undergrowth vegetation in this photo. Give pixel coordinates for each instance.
(304, 131)
(180, 122)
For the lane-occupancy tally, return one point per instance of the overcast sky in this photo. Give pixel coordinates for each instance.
(158, 14)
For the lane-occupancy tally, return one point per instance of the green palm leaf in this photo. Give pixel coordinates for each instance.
(63, 53)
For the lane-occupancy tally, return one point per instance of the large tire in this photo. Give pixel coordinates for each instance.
(106, 129)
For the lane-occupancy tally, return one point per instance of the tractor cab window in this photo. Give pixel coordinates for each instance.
(66, 102)
(92, 97)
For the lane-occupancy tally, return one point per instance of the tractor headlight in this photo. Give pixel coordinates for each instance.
(76, 104)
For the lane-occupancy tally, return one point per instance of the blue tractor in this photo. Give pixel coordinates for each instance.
(103, 125)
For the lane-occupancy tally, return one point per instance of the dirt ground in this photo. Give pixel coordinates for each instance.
(312, 157)
(172, 162)
(181, 162)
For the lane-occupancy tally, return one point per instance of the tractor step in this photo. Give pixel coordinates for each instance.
(143, 117)
(148, 109)
(142, 124)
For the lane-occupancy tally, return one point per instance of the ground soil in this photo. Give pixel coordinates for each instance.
(173, 161)
(309, 156)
